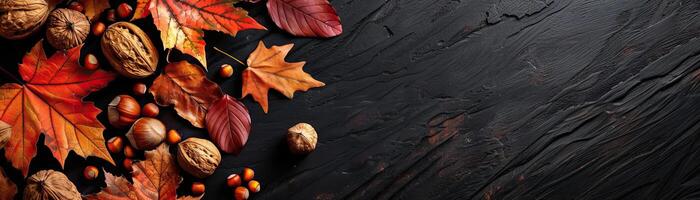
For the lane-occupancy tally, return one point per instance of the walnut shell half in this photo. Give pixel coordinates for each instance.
(129, 50)
(67, 28)
(50, 185)
(21, 18)
(198, 157)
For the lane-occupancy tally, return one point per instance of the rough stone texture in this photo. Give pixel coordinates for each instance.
(479, 99)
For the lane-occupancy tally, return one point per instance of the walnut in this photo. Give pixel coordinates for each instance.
(302, 138)
(67, 28)
(129, 50)
(50, 185)
(198, 157)
(21, 18)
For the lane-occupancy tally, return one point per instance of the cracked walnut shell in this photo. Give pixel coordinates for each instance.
(50, 185)
(21, 18)
(198, 157)
(67, 28)
(129, 50)
(302, 138)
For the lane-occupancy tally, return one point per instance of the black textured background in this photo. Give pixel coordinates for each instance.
(465, 99)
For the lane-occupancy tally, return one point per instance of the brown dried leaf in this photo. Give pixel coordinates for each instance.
(93, 8)
(187, 88)
(8, 189)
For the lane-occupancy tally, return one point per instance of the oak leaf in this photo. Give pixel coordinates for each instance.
(187, 88)
(267, 69)
(308, 18)
(181, 22)
(93, 8)
(50, 102)
(228, 124)
(156, 177)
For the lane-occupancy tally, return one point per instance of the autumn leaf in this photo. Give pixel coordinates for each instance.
(228, 123)
(156, 177)
(8, 189)
(187, 88)
(267, 69)
(51, 103)
(308, 18)
(181, 22)
(93, 8)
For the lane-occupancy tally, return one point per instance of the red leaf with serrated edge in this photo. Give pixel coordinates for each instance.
(181, 22)
(51, 103)
(228, 123)
(308, 18)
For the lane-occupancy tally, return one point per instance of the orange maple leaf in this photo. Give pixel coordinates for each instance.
(181, 22)
(157, 177)
(51, 103)
(267, 69)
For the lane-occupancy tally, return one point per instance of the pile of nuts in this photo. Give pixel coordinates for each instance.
(241, 192)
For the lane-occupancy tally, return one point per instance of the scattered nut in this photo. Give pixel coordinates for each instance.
(150, 110)
(129, 50)
(139, 89)
(241, 193)
(123, 111)
(129, 151)
(98, 29)
(198, 157)
(197, 188)
(110, 15)
(21, 18)
(91, 62)
(173, 137)
(67, 28)
(50, 185)
(302, 138)
(248, 174)
(77, 6)
(127, 165)
(226, 71)
(91, 173)
(115, 144)
(124, 10)
(233, 180)
(254, 186)
(146, 133)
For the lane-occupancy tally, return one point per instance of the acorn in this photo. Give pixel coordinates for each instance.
(123, 111)
(150, 110)
(146, 133)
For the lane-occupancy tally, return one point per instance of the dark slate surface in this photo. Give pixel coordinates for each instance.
(468, 99)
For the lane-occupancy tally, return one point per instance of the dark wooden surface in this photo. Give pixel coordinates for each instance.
(467, 99)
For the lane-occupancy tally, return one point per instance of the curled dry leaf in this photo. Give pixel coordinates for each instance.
(228, 123)
(93, 8)
(308, 18)
(187, 88)
(51, 103)
(267, 69)
(8, 189)
(156, 177)
(181, 22)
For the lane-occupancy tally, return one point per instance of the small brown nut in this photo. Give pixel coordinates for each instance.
(19, 19)
(198, 157)
(90, 173)
(129, 50)
(139, 89)
(115, 144)
(67, 28)
(50, 185)
(150, 110)
(146, 133)
(241, 193)
(302, 138)
(123, 111)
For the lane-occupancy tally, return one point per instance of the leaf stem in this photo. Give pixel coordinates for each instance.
(230, 56)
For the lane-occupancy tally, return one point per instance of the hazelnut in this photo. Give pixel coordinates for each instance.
(123, 111)
(77, 6)
(146, 133)
(124, 10)
(98, 28)
(150, 110)
(66, 28)
(173, 137)
(302, 138)
(127, 164)
(254, 186)
(111, 16)
(139, 89)
(91, 62)
(198, 157)
(50, 184)
(248, 174)
(129, 151)
(241, 193)
(226, 71)
(233, 180)
(91, 173)
(197, 188)
(115, 144)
